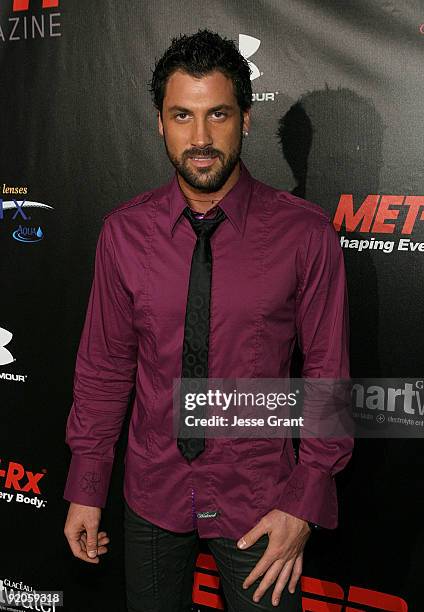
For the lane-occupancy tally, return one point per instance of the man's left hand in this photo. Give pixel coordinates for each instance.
(283, 558)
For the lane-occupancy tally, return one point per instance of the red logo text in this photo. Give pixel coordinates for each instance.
(16, 477)
(23, 5)
(379, 214)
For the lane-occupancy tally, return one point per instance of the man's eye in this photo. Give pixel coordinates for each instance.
(219, 114)
(181, 115)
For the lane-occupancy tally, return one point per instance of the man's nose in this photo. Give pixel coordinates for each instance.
(201, 136)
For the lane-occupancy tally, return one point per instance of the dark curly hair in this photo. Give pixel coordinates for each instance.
(198, 55)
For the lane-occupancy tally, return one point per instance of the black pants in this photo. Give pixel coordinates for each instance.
(159, 568)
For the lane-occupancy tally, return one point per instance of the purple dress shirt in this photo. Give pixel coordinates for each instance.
(278, 273)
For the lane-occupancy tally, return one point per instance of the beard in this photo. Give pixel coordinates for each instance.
(206, 180)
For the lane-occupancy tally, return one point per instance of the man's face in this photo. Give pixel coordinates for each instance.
(202, 128)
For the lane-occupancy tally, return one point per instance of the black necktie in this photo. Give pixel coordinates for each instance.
(196, 328)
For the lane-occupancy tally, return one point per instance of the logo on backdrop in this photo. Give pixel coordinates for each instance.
(248, 45)
(379, 216)
(20, 212)
(396, 406)
(17, 593)
(6, 357)
(41, 23)
(23, 5)
(21, 486)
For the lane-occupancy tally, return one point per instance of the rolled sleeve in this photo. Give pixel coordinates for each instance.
(322, 322)
(104, 377)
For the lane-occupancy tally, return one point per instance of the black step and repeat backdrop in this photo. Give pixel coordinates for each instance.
(338, 119)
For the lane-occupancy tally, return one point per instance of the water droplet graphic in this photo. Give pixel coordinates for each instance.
(39, 232)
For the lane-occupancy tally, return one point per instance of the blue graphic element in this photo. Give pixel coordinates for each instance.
(28, 234)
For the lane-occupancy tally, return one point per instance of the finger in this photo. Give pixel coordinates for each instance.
(77, 551)
(91, 542)
(268, 579)
(296, 573)
(101, 539)
(83, 544)
(84, 557)
(261, 567)
(282, 581)
(101, 550)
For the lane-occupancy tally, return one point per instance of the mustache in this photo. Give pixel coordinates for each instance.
(208, 152)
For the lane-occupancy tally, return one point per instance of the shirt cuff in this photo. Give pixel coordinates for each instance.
(88, 481)
(311, 495)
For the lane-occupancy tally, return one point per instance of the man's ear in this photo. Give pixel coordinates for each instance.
(160, 124)
(246, 121)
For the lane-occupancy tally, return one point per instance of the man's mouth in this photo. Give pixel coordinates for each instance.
(203, 161)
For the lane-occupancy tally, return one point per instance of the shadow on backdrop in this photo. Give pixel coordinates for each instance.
(332, 140)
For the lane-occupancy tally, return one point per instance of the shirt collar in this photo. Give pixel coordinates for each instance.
(235, 203)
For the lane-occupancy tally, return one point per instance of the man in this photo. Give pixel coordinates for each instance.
(214, 274)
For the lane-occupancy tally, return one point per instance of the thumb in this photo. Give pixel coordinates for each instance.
(252, 536)
(92, 542)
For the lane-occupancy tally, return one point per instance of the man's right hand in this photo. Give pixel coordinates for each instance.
(81, 531)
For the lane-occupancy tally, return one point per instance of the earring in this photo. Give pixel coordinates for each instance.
(245, 133)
